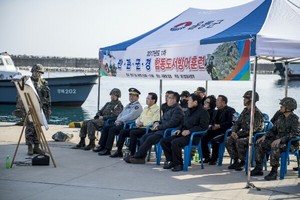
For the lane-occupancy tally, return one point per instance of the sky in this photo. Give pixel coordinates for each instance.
(78, 28)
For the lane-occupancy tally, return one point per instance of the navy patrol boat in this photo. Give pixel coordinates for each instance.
(65, 91)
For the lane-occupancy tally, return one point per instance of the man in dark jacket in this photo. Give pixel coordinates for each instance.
(196, 119)
(221, 121)
(172, 118)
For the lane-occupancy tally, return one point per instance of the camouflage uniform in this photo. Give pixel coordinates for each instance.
(110, 110)
(284, 129)
(42, 89)
(237, 148)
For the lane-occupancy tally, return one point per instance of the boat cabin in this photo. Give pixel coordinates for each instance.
(7, 67)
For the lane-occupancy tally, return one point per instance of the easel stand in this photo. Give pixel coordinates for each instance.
(37, 126)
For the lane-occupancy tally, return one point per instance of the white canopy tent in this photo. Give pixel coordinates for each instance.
(271, 26)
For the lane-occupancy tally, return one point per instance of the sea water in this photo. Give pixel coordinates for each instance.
(269, 87)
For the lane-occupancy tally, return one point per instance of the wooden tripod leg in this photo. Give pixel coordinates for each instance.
(37, 126)
(44, 144)
(13, 160)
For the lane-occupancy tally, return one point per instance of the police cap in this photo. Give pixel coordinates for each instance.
(134, 91)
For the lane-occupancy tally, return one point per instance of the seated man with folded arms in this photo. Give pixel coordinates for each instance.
(275, 140)
(149, 115)
(196, 119)
(172, 118)
(237, 142)
(110, 110)
(129, 114)
(221, 121)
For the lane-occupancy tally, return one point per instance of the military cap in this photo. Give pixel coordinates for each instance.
(115, 92)
(185, 93)
(200, 89)
(289, 102)
(134, 91)
(248, 95)
(37, 68)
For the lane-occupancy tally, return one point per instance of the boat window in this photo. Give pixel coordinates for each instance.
(1, 62)
(8, 61)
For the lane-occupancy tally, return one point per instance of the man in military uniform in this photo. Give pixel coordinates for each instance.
(276, 139)
(43, 91)
(237, 142)
(110, 110)
(129, 114)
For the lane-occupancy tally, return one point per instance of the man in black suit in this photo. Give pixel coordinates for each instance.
(172, 118)
(222, 120)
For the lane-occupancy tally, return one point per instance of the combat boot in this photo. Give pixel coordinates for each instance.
(272, 175)
(37, 150)
(30, 150)
(257, 171)
(234, 164)
(81, 144)
(240, 166)
(90, 146)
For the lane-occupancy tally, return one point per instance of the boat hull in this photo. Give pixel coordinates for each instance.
(65, 91)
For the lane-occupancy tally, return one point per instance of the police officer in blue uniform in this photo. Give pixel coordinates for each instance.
(130, 113)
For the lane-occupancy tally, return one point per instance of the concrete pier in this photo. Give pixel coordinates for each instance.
(85, 175)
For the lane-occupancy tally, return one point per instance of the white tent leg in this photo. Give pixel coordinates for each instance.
(286, 79)
(251, 185)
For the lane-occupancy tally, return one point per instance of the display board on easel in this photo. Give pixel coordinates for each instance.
(34, 113)
(25, 86)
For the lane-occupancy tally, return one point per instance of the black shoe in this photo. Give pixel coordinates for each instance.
(117, 154)
(177, 168)
(98, 149)
(105, 152)
(272, 176)
(295, 168)
(233, 165)
(127, 158)
(168, 165)
(134, 160)
(206, 160)
(212, 162)
(240, 166)
(89, 147)
(256, 172)
(79, 146)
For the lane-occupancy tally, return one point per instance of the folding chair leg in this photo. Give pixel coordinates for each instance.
(149, 154)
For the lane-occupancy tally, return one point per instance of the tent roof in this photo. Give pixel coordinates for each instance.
(270, 23)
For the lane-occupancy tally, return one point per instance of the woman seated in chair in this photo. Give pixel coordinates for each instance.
(196, 119)
(276, 139)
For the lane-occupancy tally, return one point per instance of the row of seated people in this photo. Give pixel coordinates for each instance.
(196, 118)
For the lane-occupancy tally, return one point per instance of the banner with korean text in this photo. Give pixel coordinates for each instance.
(223, 61)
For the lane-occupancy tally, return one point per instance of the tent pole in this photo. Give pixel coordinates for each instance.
(160, 96)
(99, 79)
(251, 185)
(98, 102)
(286, 78)
(206, 86)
